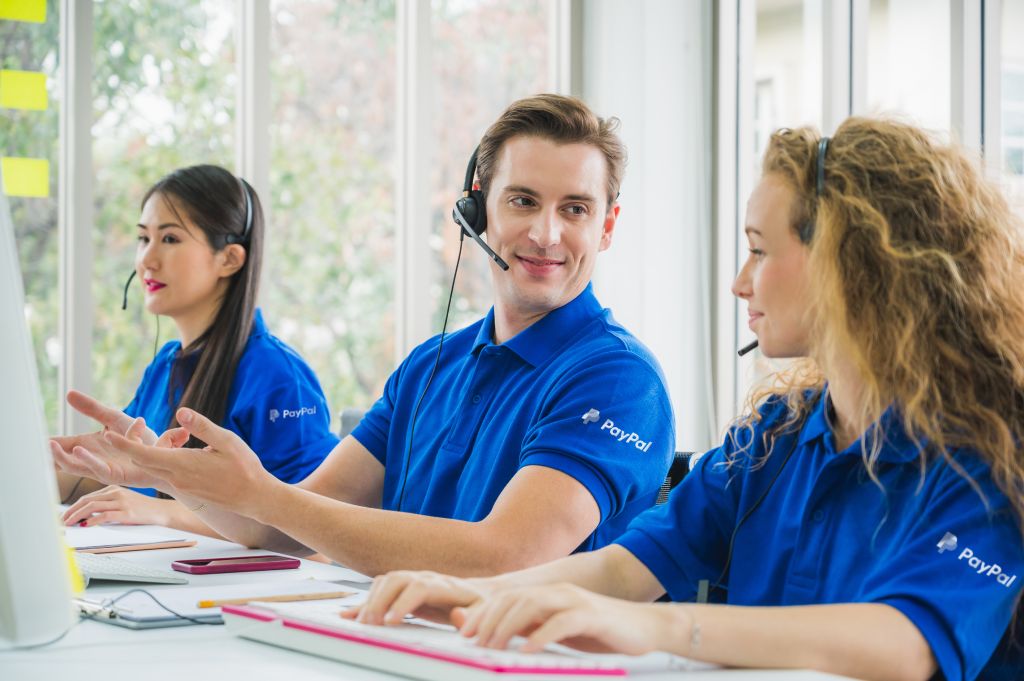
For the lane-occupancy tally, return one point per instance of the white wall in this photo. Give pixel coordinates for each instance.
(649, 64)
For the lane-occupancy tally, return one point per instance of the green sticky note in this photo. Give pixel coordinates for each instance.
(23, 90)
(26, 176)
(23, 10)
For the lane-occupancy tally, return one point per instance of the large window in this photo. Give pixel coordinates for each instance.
(329, 289)
(908, 69)
(32, 133)
(506, 59)
(786, 68)
(164, 98)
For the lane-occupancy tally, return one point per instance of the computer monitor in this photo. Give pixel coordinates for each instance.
(35, 593)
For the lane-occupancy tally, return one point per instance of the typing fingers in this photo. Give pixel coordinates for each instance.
(564, 625)
(519, 617)
(418, 597)
(382, 594)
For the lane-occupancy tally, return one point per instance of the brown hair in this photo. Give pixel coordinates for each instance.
(563, 120)
(917, 263)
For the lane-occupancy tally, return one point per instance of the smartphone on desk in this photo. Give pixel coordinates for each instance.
(210, 566)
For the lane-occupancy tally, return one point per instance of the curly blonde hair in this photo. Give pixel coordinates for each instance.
(918, 267)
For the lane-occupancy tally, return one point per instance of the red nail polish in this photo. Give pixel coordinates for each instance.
(81, 523)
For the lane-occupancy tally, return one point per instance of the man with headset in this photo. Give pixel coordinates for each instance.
(540, 430)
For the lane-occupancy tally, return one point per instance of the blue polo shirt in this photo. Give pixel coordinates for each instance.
(826, 533)
(275, 403)
(575, 392)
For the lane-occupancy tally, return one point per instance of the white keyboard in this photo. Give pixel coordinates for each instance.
(439, 637)
(424, 650)
(103, 566)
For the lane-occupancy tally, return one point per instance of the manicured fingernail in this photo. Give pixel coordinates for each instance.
(83, 523)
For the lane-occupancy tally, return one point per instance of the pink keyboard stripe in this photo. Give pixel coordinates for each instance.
(252, 613)
(413, 650)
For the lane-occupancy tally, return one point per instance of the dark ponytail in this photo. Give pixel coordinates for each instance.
(216, 202)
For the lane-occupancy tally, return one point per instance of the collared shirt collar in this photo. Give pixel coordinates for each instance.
(538, 342)
(897, 446)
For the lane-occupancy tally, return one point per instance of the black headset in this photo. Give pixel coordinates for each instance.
(470, 212)
(229, 239)
(806, 230)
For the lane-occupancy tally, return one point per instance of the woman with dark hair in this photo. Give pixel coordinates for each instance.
(864, 517)
(199, 258)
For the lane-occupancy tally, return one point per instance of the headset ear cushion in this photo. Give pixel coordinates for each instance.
(472, 210)
(480, 202)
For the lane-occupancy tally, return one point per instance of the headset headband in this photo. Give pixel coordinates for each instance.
(807, 228)
(822, 150)
(244, 239)
(467, 185)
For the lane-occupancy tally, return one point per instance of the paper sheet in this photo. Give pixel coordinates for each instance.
(98, 536)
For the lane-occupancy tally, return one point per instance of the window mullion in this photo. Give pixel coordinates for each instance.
(75, 212)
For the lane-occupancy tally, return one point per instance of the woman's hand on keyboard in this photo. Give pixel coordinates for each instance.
(424, 594)
(116, 504)
(573, 616)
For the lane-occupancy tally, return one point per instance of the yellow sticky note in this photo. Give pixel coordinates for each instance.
(74, 575)
(23, 90)
(23, 10)
(26, 176)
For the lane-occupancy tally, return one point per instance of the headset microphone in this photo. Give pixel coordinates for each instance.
(806, 229)
(470, 212)
(462, 222)
(124, 299)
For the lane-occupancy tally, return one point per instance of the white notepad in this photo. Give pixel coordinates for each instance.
(99, 538)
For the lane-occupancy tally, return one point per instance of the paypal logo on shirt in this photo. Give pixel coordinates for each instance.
(623, 436)
(593, 416)
(291, 413)
(949, 543)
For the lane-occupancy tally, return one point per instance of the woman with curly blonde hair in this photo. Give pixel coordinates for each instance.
(876, 489)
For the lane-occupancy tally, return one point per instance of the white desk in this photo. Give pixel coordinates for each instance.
(199, 653)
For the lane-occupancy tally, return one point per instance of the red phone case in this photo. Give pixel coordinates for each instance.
(209, 566)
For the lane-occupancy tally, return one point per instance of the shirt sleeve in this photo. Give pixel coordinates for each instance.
(686, 539)
(609, 425)
(959, 574)
(372, 431)
(282, 413)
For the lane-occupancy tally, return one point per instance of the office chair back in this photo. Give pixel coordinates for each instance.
(680, 467)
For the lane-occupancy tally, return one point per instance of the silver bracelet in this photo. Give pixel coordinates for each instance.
(694, 633)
